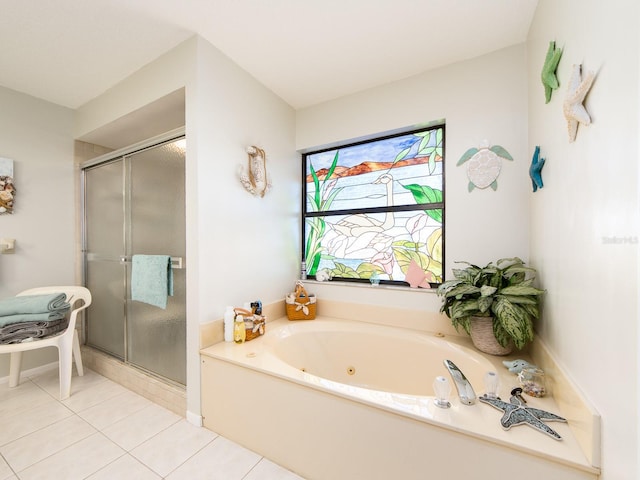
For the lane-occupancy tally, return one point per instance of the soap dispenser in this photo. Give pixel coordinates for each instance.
(228, 324)
(239, 332)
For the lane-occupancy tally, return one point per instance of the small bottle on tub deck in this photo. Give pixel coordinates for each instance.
(228, 324)
(239, 332)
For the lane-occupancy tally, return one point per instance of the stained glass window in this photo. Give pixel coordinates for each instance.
(375, 209)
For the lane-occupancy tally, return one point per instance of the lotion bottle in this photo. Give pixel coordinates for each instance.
(228, 324)
(239, 332)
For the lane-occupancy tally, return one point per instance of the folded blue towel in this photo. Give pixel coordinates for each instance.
(31, 317)
(49, 302)
(151, 279)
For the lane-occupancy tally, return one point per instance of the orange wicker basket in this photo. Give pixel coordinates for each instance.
(254, 324)
(300, 305)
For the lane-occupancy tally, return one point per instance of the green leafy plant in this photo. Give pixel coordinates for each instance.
(503, 290)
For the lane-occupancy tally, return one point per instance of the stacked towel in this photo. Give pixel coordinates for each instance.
(151, 279)
(32, 316)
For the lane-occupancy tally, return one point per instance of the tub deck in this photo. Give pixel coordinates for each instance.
(321, 428)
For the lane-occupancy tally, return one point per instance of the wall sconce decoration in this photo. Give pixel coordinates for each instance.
(484, 165)
(535, 170)
(548, 75)
(7, 190)
(256, 179)
(572, 107)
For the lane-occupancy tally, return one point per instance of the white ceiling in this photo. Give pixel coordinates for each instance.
(306, 51)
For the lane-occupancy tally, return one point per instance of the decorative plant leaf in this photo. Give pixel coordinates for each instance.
(366, 270)
(501, 152)
(502, 336)
(462, 309)
(344, 271)
(439, 137)
(522, 300)
(500, 288)
(467, 155)
(484, 304)
(461, 290)
(514, 321)
(402, 154)
(487, 290)
(425, 141)
(424, 193)
(521, 290)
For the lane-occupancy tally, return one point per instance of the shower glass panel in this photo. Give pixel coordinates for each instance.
(157, 337)
(104, 247)
(135, 205)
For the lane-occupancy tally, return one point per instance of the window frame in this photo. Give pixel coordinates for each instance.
(382, 209)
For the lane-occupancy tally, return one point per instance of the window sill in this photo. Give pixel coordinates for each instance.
(390, 288)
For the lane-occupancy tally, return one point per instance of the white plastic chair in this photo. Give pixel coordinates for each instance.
(66, 342)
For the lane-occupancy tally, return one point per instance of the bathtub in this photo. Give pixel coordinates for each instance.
(338, 399)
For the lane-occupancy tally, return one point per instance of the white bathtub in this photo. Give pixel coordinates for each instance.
(336, 399)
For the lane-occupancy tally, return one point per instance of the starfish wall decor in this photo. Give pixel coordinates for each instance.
(515, 413)
(535, 170)
(548, 75)
(572, 107)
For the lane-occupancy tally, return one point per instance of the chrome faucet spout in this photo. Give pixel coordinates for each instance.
(465, 390)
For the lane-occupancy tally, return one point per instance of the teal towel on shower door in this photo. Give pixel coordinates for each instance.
(151, 279)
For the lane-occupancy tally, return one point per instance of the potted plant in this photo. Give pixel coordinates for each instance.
(495, 304)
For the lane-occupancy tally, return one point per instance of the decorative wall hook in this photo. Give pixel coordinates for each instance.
(255, 179)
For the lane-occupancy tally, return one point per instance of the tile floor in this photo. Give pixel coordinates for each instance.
(104, 431)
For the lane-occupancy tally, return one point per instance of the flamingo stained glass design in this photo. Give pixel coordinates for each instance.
(373, 207)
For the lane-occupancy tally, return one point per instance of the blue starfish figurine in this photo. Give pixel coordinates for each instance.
(535, 170)
(515, 413)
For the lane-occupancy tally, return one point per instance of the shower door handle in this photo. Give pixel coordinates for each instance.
(177, 263)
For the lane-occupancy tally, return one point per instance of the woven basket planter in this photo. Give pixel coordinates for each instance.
(483, 338)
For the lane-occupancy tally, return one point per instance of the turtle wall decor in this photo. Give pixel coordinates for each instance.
(484, 165)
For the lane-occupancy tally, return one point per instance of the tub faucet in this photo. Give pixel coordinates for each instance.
(465, 390)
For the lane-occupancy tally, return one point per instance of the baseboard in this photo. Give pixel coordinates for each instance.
(194, 419)
(32, 372)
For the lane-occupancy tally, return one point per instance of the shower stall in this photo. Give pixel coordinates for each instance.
(134, 203)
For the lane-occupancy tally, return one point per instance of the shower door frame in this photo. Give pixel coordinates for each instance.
(114, 156)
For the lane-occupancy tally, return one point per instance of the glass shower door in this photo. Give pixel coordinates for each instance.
(135, 205)
(104, 250)
(156, 338)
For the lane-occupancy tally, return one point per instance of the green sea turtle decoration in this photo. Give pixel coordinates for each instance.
(483, 165)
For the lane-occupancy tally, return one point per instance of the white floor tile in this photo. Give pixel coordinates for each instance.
(104, 431)
(114, 409)
(75, 462)
(24, 386)
(267, 470)
(21, 399)
(219, 460)
(125, 467)
(27, 419)
(47, 441)
(93, 394)
(5, 470)
(49, 382)
(140, 426)
(170, 448)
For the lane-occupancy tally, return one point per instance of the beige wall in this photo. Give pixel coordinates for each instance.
(239, 247)
(590, 199)
(481, 99)
(36, 135)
